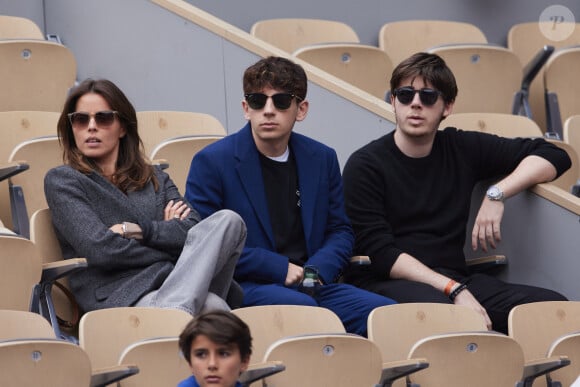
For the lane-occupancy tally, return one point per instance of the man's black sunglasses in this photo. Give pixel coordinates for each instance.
(427, 96)
(281, 101)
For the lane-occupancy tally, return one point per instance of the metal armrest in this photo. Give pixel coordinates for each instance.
(259, 371)
(54, 270)
(539, 367)
(109, 375)
(482, 264)
(360, 260)
(12, 169)
(521, 98)
(401, 368)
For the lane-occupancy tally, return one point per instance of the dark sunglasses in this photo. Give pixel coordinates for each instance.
(82, 119)
(282, 101)
(427, 96)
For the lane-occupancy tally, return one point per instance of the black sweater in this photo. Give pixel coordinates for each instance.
(420, 206)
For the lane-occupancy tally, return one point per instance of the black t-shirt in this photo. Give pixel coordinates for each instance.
(283, 196)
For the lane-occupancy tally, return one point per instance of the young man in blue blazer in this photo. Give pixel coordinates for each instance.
(288, 190)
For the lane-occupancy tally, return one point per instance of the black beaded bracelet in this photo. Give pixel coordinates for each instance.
(457, 290)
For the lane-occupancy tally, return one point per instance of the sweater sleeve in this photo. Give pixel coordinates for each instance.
(82, 231)
(363, 188)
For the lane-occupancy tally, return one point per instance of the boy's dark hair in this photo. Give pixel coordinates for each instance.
(221, 327)
(278, 73)
(432, 68)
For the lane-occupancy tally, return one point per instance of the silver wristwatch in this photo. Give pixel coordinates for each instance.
(494, 193)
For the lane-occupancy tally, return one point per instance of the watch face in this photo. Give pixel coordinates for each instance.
(494, 193)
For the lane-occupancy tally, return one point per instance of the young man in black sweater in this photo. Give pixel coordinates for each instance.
(408, 195)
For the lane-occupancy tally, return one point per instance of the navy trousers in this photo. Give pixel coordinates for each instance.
(351, 304)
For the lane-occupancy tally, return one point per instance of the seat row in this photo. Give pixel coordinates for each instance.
(490, 78)
(408, 343)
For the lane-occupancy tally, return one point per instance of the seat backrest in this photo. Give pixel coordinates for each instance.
(178, 153)
(363, 66)
(41, 154)
(537, 325)
(15, 27)
(487, 76)
(526, 39)
(269, 323)
(291, 34)
(401, 39)
(572, 132)
(35, 75)
(160, 363)
(156, 126)
(501, 124)
(569, 346)
(105, 333)
(325, 360)
(43, 362)
(413, 321)
(20, 271)
(19, 324)
(557, 80)
(469, 359)
(568, 178)
(16, 127)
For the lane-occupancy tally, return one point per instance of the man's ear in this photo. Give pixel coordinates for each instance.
(302, 110)
(447, 110)
(245, 108)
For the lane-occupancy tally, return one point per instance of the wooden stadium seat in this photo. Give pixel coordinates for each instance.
(35, 75)
(269, 323)
(105, 333)
(21, 270)
(16, 127)
(525, 39)
(58, 300)
(501, 124)
(562, 89)
(27, 188)
(177, 154)
(408, 323)
(158, 126)
(43, 362)
(366, 67)
(469, 359)
(17, 324)
(401, 39)
(292, 34)
(572, 132)
(569, 346)
(15, 27)
(488, 77)
(538, 326)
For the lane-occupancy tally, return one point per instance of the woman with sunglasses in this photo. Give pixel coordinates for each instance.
(145, 245)
(408, 196)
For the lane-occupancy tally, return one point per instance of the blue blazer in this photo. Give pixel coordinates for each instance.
(227, 175)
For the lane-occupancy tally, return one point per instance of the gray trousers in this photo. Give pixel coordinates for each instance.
(203, 273)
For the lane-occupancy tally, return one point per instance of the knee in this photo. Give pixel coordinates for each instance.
(232, 219)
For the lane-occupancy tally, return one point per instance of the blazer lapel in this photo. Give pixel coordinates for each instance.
(249, 171)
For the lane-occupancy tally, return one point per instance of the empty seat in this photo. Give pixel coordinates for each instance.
(488, 77)
(292, 34)
(15, 27)
(562, 89)
(156, 126)
(525, 39)
(16, 127)
(105, 333)
(35, 75)
(501, 124)
(366, 67)
(177, 153)
(401, 39)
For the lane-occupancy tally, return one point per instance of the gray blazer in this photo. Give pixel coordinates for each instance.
(120, 271)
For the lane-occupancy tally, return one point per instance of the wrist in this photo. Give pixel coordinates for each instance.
(455, 292)
(451, 285)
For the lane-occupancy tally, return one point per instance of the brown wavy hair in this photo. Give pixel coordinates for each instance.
(132, 171)
(278, 73)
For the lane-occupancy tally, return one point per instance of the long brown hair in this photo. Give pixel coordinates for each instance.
(132, 171)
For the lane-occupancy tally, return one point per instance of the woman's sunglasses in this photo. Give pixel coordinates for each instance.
(82, 119)
(282, 101)
(427, 96)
